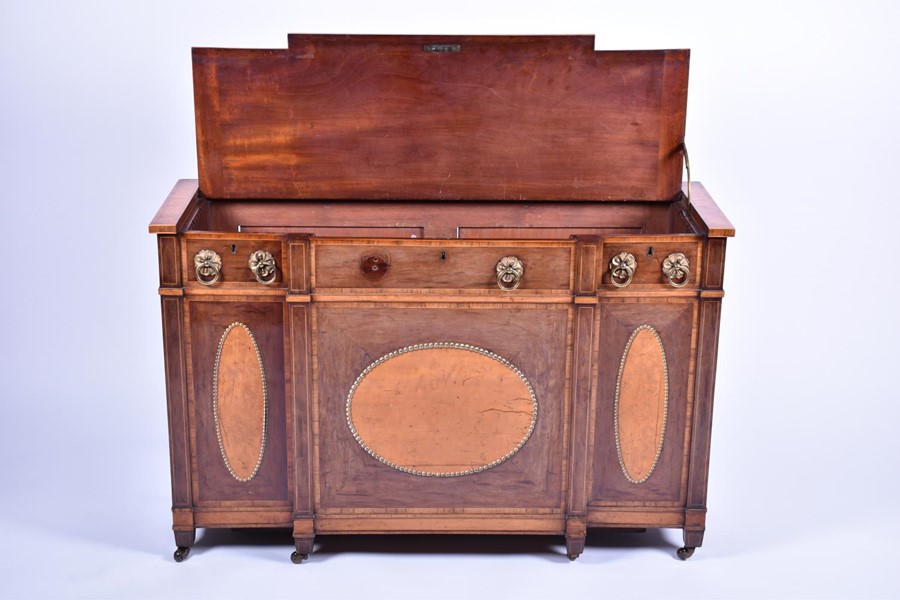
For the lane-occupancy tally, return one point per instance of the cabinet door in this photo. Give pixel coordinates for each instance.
(644, 400)
(441, 406)
(237, 381)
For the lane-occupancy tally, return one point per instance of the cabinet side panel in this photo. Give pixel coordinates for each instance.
(715, 264)
(179, 448)
(706, 381)
(169, 271)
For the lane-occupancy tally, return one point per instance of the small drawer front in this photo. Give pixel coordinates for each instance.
(427, 265)
(664, 264)
(241, 262)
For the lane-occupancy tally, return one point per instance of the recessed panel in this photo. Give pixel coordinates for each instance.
(442, 409)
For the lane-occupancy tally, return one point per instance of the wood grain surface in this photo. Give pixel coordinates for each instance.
(206, 319)
(641, 404)
(351, 336)
(387, 176)
(453, 265)
(444, 220)
(380, 117)
(674, 319)
(442, 411)
(240, 402)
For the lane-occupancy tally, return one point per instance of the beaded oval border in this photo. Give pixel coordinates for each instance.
(432, 346)
(662, 434)
(215, 398)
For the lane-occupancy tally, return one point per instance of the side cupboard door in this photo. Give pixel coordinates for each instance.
(644, 402)
(237, 375)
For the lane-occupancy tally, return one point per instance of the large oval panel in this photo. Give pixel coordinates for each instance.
(239, 402)
(642, 403)
(442, 409)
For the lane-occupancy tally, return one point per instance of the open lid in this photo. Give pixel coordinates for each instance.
(440, 118)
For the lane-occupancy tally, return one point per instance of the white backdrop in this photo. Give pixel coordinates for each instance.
(793, 126)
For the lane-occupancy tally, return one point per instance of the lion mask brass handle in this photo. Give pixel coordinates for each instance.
(676, 268)
(208, 266)
(262, 264)
(621, 269)
(509, 273)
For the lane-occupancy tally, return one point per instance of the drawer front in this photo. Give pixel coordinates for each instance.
(650, 255)
(439, 265)
(233, 254)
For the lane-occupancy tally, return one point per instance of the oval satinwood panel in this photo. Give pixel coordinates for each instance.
(442, 409)
(642, 403)
(239, 402)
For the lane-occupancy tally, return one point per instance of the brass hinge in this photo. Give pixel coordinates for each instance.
(687, 167)
(443, 48)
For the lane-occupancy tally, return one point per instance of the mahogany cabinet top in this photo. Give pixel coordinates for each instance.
(440, 117)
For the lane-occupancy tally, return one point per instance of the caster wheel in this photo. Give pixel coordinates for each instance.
(298, 558)
(573, 556)
(181, 553)
(685, 553)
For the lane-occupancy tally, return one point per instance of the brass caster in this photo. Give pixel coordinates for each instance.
(685, 553)
(298, 558)
(573, 556)
(181, 553)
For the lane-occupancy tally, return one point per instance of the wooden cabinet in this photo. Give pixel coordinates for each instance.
(523, 345)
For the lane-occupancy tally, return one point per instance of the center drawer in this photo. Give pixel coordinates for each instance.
(501, 266)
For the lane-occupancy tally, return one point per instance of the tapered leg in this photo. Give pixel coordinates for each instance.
(304, 536)
(184, 539)
(692, 540)
(304, 547)
(576, 532)
(574, 546)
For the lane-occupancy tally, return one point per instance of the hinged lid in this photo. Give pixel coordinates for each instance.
(440, 117)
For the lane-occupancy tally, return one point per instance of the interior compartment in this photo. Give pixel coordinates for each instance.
(445, 220)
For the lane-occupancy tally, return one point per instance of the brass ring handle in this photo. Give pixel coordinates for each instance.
(676, 268)
(262, 264)
(509, 273)
(208, 266)
(621, 269)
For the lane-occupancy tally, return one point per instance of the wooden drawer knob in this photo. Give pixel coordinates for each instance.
(374, 267)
